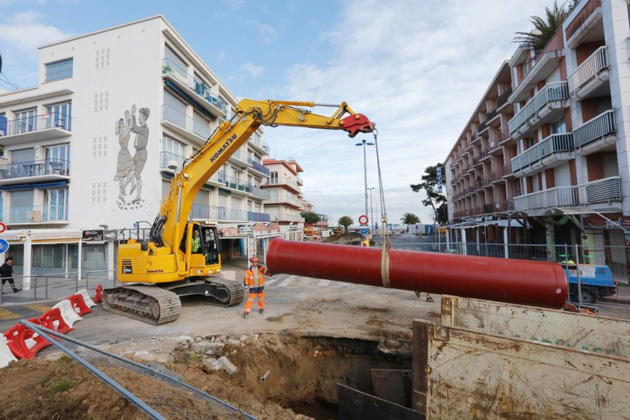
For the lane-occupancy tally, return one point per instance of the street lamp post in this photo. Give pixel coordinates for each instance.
(372, 209)
(365, 143)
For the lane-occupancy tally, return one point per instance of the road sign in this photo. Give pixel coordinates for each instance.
(4, 246)
(3, 227)
(363, 220)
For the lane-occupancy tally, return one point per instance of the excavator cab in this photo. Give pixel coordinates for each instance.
(205, 248)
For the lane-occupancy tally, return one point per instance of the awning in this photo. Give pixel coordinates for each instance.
(15, 187)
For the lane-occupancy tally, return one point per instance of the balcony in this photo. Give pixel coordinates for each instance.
(583, 23)
(256, 142)
(591, 75)
(207, 212)
(287, 218)
(550, 152)
(240, 158)
(34, 171)
(545, 64)
(595, 192)
(261, 192)
(179, 76)
(169, 160)
(184, 125)
(275, 198)
(283, 181)
(28, 215)
(503, 98)
(547, 105)
(253, 216)
(596, 134)
(232, 182)
(258, 167)
(35, 128)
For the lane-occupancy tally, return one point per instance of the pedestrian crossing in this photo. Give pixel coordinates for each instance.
(284, 281)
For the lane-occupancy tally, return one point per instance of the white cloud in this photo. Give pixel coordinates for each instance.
(252, 69)
(20, 35)
(267, 33)
(417, 69)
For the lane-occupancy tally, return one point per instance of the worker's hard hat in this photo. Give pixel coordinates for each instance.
(254, 259)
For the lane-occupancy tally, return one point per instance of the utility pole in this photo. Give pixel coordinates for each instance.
(365, 143)
(372, 210)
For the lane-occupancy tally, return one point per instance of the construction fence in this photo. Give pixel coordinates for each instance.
(615, 257)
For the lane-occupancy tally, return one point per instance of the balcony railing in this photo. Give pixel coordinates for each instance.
(172, 69)
(604, 190)
(166, 158)
(503, 98)
(589, 69)
(550, 93)
(34, 214)
(35, 168)
(555, 143)
(258, 166)
(257, 141)
(287, 217)
(283, 180)
(232, 182)
(207, 212)
(595, 129)
(36, 123)
(598, 191)
(274, 197)
(253, 216)
(181, 120)
(261, 192)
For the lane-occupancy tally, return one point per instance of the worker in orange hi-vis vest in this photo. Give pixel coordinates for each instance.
(255, 280)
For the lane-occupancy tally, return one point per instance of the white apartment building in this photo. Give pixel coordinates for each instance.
(285, 203)
(94, 145)
(565, 144)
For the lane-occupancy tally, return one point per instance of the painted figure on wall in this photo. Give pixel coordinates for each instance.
(128, 168)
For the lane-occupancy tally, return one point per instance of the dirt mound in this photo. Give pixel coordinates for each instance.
(349, 238)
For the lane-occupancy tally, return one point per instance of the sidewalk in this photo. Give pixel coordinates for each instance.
(622, 296)
(58, 289)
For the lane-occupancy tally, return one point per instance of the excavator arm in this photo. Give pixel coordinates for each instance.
(230, 136)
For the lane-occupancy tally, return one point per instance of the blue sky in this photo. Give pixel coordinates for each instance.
(418, 69)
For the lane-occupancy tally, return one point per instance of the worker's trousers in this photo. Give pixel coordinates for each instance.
(252, 295)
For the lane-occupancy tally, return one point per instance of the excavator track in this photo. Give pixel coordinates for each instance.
(235, 290)
(149, 304)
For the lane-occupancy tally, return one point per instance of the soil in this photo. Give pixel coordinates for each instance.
(349, 238)
(302, 370)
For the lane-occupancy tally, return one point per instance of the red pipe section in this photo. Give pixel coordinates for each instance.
(533, 283)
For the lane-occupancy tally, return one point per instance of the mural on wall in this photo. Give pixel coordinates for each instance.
(129, 168)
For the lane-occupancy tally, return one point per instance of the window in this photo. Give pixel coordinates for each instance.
(56, 204)
(273, 178)
(49, 256)
(58, 70)
(559, 126)
(25, 121)
(59, 116)
(172, 150)
(57, 159)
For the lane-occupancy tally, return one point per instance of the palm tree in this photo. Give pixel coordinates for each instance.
(409, 219)
(345, 221)
(544, 29)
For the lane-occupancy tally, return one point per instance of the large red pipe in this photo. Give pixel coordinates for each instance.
(522, 282)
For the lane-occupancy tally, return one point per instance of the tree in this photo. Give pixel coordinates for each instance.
(310, 217)
(409, 219)
(345, 221)
(544, 28)
(436, 200)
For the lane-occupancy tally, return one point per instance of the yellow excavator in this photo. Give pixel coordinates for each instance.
(182, 257)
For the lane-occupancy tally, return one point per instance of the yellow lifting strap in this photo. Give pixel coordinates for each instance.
(386, 244)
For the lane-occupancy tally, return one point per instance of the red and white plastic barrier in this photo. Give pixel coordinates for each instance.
(67, 312)
(20, 342)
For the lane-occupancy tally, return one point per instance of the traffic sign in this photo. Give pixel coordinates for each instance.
(4, 246)
(363, 220)
(3, 227)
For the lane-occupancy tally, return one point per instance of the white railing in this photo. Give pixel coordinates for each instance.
(555, 143)
(550, 93)
(598, 191)
(594, 129)
(553, 197)
(181, 120)
(283, 180)
(590, 68)
(603, 190)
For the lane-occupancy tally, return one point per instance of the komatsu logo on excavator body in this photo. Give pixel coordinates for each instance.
(222, 148)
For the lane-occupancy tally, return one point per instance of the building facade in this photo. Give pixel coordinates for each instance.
(285, 203)
(560, 170)
(95, 144)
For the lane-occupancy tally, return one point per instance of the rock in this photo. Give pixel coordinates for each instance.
(227, 365)
(182, 338)
(198, 338)
(199, 347)
(233, 342)
(243, 338)
(208, 365)
(213, 348)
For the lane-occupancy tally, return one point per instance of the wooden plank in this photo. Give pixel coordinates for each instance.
(477, 375)
(357, 405)
(584, 332)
